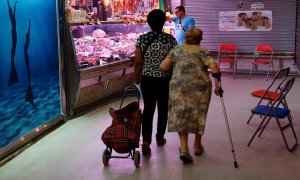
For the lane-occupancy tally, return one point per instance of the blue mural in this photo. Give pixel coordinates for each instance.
(29, 71)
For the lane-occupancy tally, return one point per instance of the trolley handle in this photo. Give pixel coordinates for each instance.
(131, 91)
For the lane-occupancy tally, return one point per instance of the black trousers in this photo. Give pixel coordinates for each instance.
(155, 91)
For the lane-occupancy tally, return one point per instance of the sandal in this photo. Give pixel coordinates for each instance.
(185, 157)
(161, 142)
(146, 148)
(198, 150)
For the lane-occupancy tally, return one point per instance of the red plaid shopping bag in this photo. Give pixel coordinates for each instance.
(124, 133)
(119, 138)
(130, 116)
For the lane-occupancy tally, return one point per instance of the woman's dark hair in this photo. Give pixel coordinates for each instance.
(180, 8)
(156, 20)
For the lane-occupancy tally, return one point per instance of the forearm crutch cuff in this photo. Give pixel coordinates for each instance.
(217, 76)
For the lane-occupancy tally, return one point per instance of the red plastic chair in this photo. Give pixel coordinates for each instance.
(273, 91)
(227, 54)
(263, 56)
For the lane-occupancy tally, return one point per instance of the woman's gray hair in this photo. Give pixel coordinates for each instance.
(193, 36)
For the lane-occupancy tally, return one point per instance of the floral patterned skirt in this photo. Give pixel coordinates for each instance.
(188, 106)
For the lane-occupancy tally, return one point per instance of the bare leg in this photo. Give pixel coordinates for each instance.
(197, 142)
(198, 148)
(184, 149)
(184, 141)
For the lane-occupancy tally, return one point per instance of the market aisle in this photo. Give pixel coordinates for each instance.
(74, 150)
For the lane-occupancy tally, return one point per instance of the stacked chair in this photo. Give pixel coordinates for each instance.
(275, 107)
(272, 92)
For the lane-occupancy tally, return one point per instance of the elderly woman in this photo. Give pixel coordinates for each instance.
(190, 90)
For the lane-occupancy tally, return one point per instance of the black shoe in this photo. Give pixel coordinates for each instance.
(146, 148)
(198, 150)
(185, 157)
(161, 142)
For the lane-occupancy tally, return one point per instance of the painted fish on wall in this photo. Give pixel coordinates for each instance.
(13, 77)
(29, 71)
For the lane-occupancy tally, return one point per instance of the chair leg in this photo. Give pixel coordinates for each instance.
(251, 71)
(292, 127)
(288, 124)
(250, 118)
(268, 71)
(289, 115)
(264, 127)
(273, 67)
(258, 129)
(283, 136)
(235, 69)
(285, 104)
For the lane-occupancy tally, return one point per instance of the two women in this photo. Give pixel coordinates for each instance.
(180, 74)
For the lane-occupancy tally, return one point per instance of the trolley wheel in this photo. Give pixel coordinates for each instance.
(137, 158)
(105, 157)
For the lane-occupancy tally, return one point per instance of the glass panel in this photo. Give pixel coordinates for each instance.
(98, 45)
(29, 71)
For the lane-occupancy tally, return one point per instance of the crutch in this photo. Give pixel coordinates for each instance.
(218, 76)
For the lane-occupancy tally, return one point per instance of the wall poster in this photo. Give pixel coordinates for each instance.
(245, 20)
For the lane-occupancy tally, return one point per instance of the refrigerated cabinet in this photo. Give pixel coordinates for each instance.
(100, 60)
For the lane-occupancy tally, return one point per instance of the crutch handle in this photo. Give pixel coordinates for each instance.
(220, 91)
(217, 75)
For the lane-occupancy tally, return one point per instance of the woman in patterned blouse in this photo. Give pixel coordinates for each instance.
(151, 49)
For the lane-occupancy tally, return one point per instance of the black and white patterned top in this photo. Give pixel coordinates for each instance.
(156, 52)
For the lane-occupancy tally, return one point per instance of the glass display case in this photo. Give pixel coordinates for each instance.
(101, 60)
(100, 56)
(103, 44)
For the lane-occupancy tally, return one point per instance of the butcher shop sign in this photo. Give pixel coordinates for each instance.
(245, 20)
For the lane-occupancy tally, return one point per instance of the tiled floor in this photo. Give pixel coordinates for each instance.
(74, 150)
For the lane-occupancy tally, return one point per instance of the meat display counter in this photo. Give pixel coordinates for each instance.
(100, 59)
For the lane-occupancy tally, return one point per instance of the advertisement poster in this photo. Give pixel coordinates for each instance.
(245, 20)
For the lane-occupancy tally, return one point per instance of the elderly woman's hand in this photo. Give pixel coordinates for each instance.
(218, 91)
